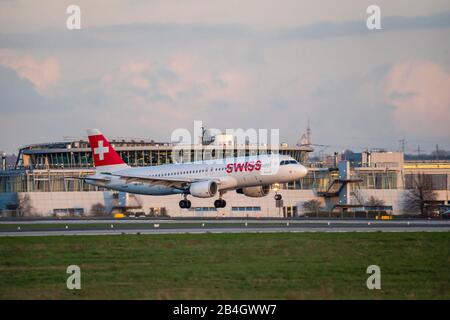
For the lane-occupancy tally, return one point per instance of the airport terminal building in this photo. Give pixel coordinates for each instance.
(45, 181)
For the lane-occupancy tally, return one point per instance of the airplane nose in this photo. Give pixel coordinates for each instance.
(302, 171)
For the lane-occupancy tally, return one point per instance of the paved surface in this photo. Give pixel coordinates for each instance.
(228, 220)
(73, 227)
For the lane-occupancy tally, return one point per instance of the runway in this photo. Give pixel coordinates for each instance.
(195, 226)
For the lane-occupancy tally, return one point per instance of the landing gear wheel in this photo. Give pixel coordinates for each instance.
(185, 204)
(220, 203)
(278, 197)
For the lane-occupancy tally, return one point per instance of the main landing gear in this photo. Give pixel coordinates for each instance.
(220, 203)
(185, 203)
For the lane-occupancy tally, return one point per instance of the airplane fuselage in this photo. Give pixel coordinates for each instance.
(230, 173)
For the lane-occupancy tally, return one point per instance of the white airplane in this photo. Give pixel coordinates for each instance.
(251, 176)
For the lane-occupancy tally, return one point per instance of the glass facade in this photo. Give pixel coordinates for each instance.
(44, 181)
(245, 208)
(437, 181)
(317, 180)
(57, 160)
(55, 157)
(378, 179)
(321, 180)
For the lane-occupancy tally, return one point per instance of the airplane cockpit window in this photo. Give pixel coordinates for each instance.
(285, 162)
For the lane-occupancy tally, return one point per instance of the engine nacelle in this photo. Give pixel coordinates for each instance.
(203, 189)
(255, 192)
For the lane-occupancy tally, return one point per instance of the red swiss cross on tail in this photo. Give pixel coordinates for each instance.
(103, 153)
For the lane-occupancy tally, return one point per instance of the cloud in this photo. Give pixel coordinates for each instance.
(205, 86)
(126, 35)
(159, 70)
(26, 16)
(131, 75)
(44, 74)
(18, 95)
(330, 29)
(146, 34)
(419, 92)
(20, 105)
(181, 81)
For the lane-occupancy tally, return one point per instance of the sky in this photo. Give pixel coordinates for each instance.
(145, 68)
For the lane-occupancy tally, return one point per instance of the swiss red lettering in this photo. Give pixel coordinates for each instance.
(258, 165)
(245, 166)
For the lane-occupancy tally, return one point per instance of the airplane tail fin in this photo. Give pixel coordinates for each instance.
(104, 155)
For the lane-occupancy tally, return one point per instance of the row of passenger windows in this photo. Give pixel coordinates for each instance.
(188, 172)
(282, 163)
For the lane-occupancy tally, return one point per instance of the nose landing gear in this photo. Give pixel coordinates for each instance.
(185, 204)
(278, 196)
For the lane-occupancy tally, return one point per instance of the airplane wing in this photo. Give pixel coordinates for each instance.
(177, 183)
(164, 181)
(92, 178)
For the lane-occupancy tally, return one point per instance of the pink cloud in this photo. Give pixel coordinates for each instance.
(175, 90)
(43, 73)
(420, 93)
(215, 85)
(129, 74)
(193, 84)
(181, 62)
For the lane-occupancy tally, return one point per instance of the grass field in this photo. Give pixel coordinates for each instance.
(228, 266)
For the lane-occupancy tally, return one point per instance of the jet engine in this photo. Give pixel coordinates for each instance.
(255, 192)
(203, 189)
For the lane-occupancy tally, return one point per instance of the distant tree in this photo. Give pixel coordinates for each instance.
(440, 154)
(422, 192)
(312, 206)
(375, 202)
(348, 155)
(24, 206)
(98, 210)
(163, 212)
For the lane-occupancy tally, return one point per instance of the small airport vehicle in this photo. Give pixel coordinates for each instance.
(384, 217)
(251, 176)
